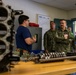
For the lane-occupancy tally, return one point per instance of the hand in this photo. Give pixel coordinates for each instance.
(46, 51)
(1, 57)
(66, 36)
(34, 38)
(74, 51)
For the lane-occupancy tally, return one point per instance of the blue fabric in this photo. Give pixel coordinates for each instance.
(23, 33)
(37, 51)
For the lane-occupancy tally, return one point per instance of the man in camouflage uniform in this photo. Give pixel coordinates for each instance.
(72, 43)
(63, 38)
(49, 38)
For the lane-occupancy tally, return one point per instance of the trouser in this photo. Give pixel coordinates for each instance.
(21, 51)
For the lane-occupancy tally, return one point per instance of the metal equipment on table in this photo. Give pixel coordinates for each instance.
(7, 17)
(55, 57)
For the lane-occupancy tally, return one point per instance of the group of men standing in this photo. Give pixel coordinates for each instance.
(55, 40)
(59, 40)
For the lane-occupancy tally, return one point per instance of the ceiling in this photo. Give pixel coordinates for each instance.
(62, 4)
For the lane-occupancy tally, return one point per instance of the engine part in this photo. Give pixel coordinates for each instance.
(7, 16)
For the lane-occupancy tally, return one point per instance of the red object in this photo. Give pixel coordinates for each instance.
(33, 25)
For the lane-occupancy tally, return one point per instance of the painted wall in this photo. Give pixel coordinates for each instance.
(72, 14)
(31, 9)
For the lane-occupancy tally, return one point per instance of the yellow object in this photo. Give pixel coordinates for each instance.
(53, 68)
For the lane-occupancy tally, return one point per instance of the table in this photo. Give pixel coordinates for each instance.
(53, 68)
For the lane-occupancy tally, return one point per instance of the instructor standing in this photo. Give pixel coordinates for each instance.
(24, 40)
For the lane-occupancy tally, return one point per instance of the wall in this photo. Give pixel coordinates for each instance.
(72, 14)
(32, 9)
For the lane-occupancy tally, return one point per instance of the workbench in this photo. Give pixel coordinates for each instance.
(52, 68)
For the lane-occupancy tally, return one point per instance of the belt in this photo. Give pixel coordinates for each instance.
(19, 49)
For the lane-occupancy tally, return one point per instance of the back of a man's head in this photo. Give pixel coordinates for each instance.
(22, 18)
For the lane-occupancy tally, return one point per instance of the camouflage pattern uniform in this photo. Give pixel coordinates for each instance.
(49, 40)
(72, 43)
(20, 52)
(62, 44)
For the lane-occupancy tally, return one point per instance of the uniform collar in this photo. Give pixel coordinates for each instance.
(65, 29)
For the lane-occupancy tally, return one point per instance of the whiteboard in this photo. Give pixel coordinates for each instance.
(44, 23)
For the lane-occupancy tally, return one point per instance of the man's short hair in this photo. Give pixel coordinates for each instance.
(22, 18)
(62, 20)
(52, 21)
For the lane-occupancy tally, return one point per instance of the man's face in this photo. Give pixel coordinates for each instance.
(52, 25)
(26, 22)
(63, 24)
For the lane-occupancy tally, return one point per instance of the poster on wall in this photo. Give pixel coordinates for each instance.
(44, 23)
